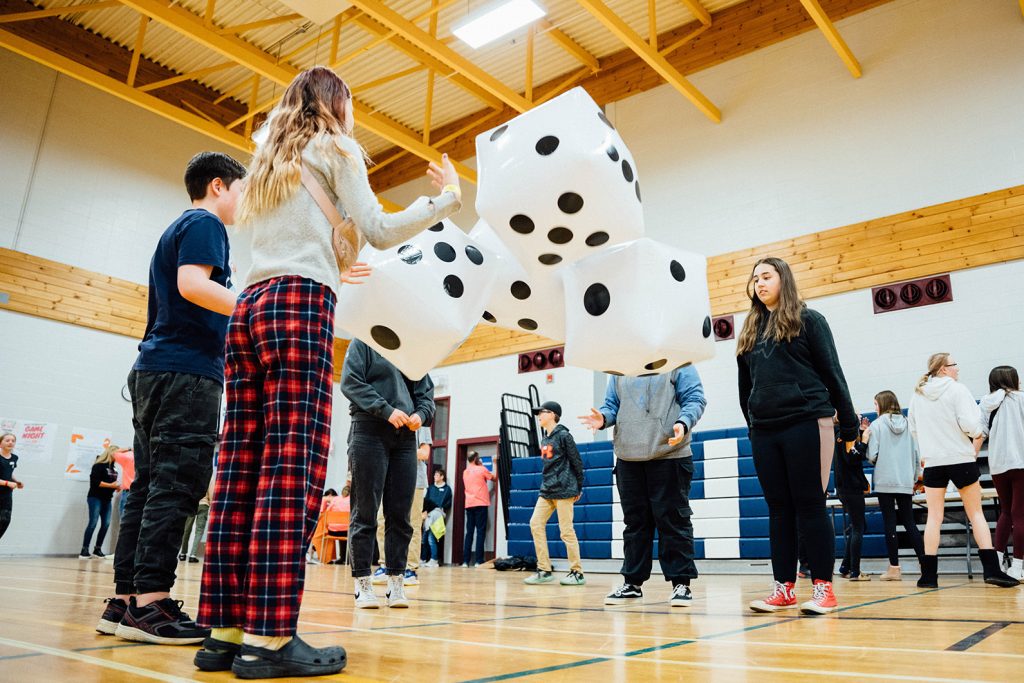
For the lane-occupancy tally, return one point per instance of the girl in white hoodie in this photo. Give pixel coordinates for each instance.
(1002, 419)
(944, 420)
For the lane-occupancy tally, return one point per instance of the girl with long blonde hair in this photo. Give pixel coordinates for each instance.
(273, 454)
(102, 484)
(790, 386)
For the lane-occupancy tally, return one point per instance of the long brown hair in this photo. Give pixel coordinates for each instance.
(936, 362)
(887, 403)
(1003, 377)
(313, 105)
(782, 324)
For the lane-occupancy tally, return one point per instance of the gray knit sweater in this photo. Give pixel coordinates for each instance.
(295, 237)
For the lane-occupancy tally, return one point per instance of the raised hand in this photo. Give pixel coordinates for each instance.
(443, 174)
(593, 421)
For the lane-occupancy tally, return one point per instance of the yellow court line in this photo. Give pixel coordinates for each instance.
(79, 657)
(670, 662)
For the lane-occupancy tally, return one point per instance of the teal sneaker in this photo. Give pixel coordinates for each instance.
(573, 579)
(539, 577)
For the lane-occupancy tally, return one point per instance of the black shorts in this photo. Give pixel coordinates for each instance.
(962, 474)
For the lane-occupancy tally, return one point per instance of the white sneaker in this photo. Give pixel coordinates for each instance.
(429, 563)
(365, 597)
(396, 592)
(1016, 569)
(681, 596)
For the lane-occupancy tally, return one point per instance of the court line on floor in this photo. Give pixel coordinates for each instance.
(978, 636)
(78, 657)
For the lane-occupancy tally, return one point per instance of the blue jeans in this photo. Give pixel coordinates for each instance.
(99, 511)
(122, 501)
(431, 543)
(476, 519)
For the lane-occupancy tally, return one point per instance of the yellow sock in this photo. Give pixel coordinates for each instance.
(227, 635)
(266, 642)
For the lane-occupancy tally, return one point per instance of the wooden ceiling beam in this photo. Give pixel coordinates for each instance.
(117, 88)
(56, 11)
(821, 19)
(570, 45)
(736, 31)
(651, 56)
(432, 46)
(700, 13)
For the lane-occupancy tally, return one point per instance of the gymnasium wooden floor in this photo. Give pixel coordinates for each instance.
(481, 625)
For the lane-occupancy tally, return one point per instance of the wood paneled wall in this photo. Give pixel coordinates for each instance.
(966, 233)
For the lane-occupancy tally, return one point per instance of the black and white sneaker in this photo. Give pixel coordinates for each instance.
(681, 596)
(161, 622)
(624, 594)
(112, 616)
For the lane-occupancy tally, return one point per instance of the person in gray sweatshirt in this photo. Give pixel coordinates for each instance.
(891, 449)
(653, 417)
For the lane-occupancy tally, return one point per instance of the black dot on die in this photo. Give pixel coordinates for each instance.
(547, 145)
(707, 327)
(613, 153)
(453, 286)
(678, 272)
(474, 255)
(560, 235)
(521, 290)
(527, 324)
(596, 239)
(596, 299)
(385, 336)
(549, 259)
(498, 133)
(570, 202)
(604, 118)
(521, 224)
(627, 171)
(444, 251)
(436, 227)
(636, 186)
(656, 365)
(489, 318)
(410, 253)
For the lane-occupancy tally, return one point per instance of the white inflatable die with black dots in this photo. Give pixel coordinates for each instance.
(423, 299)
(557, 182)
(638, 308)
(525, 300)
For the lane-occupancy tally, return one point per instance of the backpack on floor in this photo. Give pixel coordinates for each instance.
(516, 563)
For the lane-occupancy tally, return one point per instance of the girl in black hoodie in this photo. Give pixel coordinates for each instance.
(790, 386)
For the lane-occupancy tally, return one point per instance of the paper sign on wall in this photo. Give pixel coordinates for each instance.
(83, 447)
(35, 439)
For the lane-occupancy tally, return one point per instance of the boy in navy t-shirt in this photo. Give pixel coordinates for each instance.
(176, 385)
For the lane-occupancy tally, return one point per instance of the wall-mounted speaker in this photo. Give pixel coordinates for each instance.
(723, 327)
(912, 294)
(545, 359)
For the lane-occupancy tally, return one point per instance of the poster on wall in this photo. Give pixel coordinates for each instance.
(83, 447)
(35, 439)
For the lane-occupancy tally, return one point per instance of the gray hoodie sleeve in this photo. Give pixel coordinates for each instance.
(356, 387)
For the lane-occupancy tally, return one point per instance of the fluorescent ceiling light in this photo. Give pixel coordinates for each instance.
(497, 20)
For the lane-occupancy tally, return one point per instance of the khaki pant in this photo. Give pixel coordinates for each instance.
(541, 513)
(416, 519)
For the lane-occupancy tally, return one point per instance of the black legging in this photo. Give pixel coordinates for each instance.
(790, 463)
(899, 506)
(853, 506)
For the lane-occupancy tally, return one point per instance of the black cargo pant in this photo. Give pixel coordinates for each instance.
(175, 416)
(655, 495)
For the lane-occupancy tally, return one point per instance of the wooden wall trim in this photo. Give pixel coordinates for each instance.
(956, 235)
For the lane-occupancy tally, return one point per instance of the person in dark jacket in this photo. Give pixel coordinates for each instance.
(438, 497)
(102, 484)
(387, 408)
(851, 484)
(560, 488)
(790, 386)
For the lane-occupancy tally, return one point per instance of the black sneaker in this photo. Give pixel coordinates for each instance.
(625, 593)
(161, 622)
(112, 616)
(181, 557)
(296, 658)
(681, 596)
(96, 552)
(193, 559)
(216, 655)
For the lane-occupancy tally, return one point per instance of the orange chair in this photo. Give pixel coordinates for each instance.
(326, 538)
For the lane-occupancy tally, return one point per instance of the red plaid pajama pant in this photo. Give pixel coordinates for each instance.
(273, 456)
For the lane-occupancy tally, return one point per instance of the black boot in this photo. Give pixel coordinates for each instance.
(994, 574)
(929, 572)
